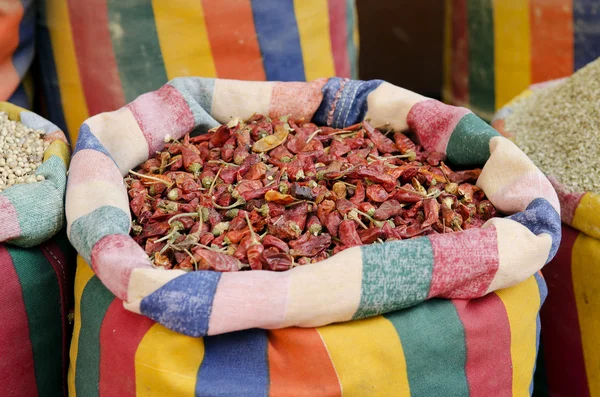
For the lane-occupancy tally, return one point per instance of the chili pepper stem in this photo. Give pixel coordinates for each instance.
(222, 162)
(313, 135)
(212, 185)
(183, 215)
(150, 177)
(240, 201)
(168, 236)
(252, 234)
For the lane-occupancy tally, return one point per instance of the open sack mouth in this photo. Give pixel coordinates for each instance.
(315, 182)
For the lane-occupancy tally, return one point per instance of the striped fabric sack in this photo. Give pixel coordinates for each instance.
(35, 297)
(17, 26)
(496, 263)
(495, 49)
(570, 316)
(97, 56)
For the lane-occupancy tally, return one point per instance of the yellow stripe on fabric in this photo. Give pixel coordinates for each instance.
(69, 81)
(447, 90)
(59, 149)
(512, 63)
(368, 357)
(183, 38)
(585, 258)
(167, 363)
(82, 277)
(29, 90)
(312, 18)
(587, 215)
(13, 111)
(522, 303)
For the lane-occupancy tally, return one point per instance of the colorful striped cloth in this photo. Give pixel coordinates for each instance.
(357, 283)
(35, 300)
(17, 26)
(482, 347)
(496, 49)
(571, 314)
(99, 55)
(32, 213)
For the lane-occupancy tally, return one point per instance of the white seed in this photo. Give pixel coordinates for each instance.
(559, 129)
(21, 152)
(40, 178)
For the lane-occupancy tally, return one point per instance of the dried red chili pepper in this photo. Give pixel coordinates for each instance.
(377, 193)
(348, 234)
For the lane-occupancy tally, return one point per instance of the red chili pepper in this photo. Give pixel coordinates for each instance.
(348, 234)
(333, 222)
(383, 143)
(313, 245)
(275, 260)
(431, 209)
(370, 235)
(388, 209)
(404, 144)
(464, 176)
(272, 241)
(377, 193)
(211, 260)
(220, 136)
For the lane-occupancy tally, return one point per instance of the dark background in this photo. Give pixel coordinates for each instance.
(401, 41)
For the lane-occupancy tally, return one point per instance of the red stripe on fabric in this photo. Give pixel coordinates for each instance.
(338, 33)
(460, 52)
(57, 260)
(95, 56)
(464, 263)
(231, 32)
(299, 364)
(434, 122)
(568, 201)
(17, 370)
(120, 335)
(561, 334)
(487, 333)
(161, 112)
(551, 30)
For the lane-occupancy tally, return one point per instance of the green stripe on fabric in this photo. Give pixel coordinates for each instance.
(433, 340)
(352, 46)
(480, 17)
(87, 230)
(95, 301)
(395, 275)
(40, 206)
(41, 295)
(136, 46)
(469, 143)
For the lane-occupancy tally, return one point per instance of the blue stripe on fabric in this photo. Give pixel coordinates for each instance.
(540, 217)
(350, 20)
(586, 32)
(543, 288)
(279, 40)
(19, 97)
(52, 97)
(23, 56)
(87, 140)
(198, 94)
(349, 106)
(235, 364)
(88, 229)
(184, 304)
(37, 122)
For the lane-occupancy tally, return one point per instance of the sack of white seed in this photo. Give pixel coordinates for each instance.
(557, 124)
(34, 255)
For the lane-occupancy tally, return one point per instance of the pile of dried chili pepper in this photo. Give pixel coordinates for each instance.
(266, 194)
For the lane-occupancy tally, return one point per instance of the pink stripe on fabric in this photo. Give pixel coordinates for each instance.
(516, 196)
(249, 300)
(568, 201)
(162, 112)
(434, 122)
(56, 135)
(464, 263)
(338, 32)
(9, 220)
(98, 166)
(296, 99)
(113, 259)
